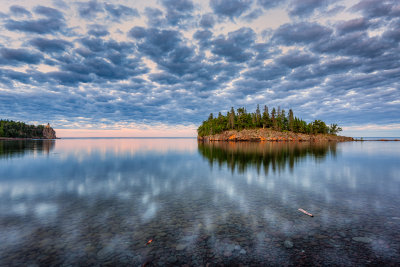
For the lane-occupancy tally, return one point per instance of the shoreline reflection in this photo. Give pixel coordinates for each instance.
(17, 148)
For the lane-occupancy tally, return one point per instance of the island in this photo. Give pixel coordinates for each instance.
(276, 125)
(19, 130)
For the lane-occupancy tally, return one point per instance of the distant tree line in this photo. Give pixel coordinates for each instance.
(277, 120)
(17, 129)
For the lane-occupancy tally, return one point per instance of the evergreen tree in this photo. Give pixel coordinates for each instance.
(258, 116)
(273, 118)
(291, 120)
(265, 117)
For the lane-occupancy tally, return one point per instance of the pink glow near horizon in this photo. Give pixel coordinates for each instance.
(119, 146)
(180, 132)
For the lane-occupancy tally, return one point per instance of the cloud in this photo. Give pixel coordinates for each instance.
(90, 9)
(306, 7)
(353, 44)
(359, 24)
(68, 78)
(7, 76)
(294, 59)
(230, 8)
(178, 10)
(204, 37)
(256, 13)
(164, 78)
(19, 56)
(40, 26)
(120, 11)
(154, 16)
(301, 33)
(98, 30)
(268, 72)
(378, 8)
(50, 45)
(101, 60)
(268, 4)
(235, 48)
(207, 21)
(19, 11)
(49, 12)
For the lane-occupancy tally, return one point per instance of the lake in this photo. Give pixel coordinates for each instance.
(171, 202)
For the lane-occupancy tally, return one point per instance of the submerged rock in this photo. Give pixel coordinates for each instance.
(288, 244)
(362, 239)
(180, 247)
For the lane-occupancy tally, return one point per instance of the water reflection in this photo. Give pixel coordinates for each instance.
(274, 155)
(98, 202)
(15, 148)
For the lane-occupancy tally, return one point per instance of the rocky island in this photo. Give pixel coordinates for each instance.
(19, 130)
(265, 126)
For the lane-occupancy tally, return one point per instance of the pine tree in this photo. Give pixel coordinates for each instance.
(258, 116)
(291, 120)
(265, 117)
(273, 118)
(231, 119)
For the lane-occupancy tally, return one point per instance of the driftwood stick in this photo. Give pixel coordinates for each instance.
(305, 212)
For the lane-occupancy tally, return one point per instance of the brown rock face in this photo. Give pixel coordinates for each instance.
(49, 133)
(271, 135)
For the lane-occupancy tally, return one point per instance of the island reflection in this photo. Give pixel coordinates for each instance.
(269, 155)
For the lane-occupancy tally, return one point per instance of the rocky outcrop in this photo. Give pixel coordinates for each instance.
(48, 132)
(271, 135)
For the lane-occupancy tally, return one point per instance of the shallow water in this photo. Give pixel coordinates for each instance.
(99, 201)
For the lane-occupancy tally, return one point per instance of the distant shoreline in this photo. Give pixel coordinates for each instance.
(23, 139)
(380, 139)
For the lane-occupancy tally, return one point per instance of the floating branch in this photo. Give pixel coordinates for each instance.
(305, 212)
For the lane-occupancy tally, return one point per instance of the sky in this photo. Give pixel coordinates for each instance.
(160, 67)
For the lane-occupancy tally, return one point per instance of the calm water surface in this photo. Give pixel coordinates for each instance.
(100, 201)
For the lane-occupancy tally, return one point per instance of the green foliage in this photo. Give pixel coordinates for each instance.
(276, 120)
(17, 129)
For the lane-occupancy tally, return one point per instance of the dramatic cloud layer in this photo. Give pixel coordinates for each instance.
(137, 64)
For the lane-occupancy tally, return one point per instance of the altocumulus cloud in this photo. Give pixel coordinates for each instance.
(171, 62)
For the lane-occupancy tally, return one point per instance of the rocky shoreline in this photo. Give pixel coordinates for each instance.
(258, 135)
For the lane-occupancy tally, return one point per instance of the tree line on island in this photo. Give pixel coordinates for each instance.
(17, 129)
(276, 120)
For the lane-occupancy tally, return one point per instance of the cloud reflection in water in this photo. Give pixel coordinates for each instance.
(102, 200)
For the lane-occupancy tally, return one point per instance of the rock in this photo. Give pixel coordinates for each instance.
(230, 247)
(172, 259)
(237, 247)
(227, 253)
(105, 254)
(320, 236)
(180, 247)
(242, 251)
(288, 244)
(362, 239)
(48, 132)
